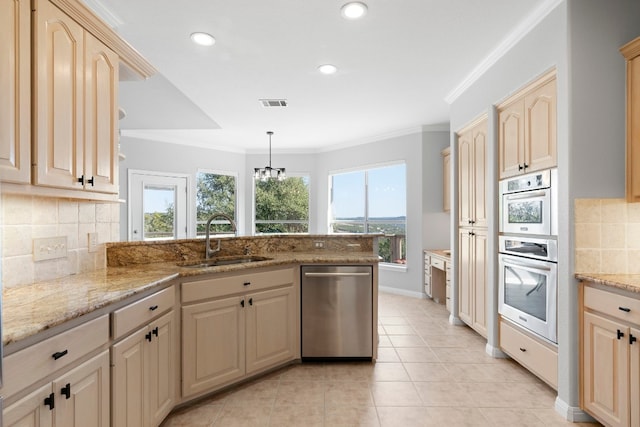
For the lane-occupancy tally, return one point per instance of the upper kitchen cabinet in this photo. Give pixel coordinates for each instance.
(631, 52)
(472, 180)
(15, 87)
(527, 129)
(77, 61)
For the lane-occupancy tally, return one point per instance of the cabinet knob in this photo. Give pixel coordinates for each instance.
(523, 349)
(526, 165)
(153, 308)
(632, 339)
(520, 167)
(620, 334)
(242, 303)
(66, 391)
(247, 283)
(50, 401)
(250, 301)
(58, 354)
(148, 336)
(625, 309)
(90, 181)
(155, 331)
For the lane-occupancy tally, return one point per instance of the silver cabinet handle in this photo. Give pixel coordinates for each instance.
(526, 195)
(335, 274)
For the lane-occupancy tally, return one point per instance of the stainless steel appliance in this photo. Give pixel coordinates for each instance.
(528, 283)
(528, 204)
(337, 312)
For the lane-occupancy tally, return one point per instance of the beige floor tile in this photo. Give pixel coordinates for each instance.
(351, 416)
(514, 417)
(448, 341)
(258, 393)
(304, 372)
(463, 355)
(443, 394)
(297, 415)
(346, 393)
(232, 416)
(403, 416)
(387, 354)
(395, 394)
(406, 341)
(300, 393)
(430, 371)
(457, 417)
(389, 372)
(349, 371)
(416, 354)
(383, 341)
(552, 419)
(393, 320)
(399, 330)
(201, 415)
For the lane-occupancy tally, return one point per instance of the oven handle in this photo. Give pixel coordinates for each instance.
(527, 195)
(525, 264)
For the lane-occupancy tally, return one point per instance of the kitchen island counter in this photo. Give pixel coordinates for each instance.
(627, 282)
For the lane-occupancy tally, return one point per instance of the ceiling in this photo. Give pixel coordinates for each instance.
(396, 67)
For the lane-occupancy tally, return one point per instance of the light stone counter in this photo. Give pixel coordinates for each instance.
(627, 282)
(38, 307)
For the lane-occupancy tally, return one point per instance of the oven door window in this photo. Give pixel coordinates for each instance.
(525, 212)
(526, 291)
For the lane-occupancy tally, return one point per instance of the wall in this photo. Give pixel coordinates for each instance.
(434, 220)
(25, 218)
(580, 38)
(607, 233)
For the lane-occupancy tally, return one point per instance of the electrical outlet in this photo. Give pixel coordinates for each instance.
(318, 244)
(93, 242)
(49, 248)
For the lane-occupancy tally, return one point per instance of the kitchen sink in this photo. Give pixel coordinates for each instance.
(215, 262)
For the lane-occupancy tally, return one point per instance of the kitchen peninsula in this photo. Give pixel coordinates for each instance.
(140, 321)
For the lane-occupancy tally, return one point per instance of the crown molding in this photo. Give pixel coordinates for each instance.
(503, 47)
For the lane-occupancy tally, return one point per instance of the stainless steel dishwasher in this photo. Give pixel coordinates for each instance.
(337, 312)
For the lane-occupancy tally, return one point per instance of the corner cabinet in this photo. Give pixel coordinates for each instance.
(75, 139)
(527, 129)
(631, 52)
(610, 356)
(235, 325)
(15, 87)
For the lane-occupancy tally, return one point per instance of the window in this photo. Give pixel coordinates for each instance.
(373, 201)
(215, 193)
(282, 206)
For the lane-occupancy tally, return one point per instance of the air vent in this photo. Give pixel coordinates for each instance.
(268, 103)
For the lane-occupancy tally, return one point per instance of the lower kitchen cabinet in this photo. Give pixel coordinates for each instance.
(610, 357)
(472, 278)
(236, 333)
(78, 398)
(143, 374)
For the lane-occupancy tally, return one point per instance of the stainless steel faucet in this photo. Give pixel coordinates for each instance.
(209, 251)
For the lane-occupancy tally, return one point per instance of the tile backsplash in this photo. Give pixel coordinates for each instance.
(25, 218)
(607, 236)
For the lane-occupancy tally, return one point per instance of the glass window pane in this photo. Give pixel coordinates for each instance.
(347, 227)
(216, 193)
(393, 246)
(282, 206)
(387, 192)
(159, 218)
(348, 196)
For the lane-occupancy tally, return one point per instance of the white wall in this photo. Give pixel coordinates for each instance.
(435, 221)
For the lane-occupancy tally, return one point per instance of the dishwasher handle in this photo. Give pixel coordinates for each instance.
(337, 274)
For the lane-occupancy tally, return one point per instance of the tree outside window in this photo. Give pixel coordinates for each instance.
(373, 201)
(215, 193)
(282, 206)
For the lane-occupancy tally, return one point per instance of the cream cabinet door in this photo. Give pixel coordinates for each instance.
(465, 179)
(479, 159)
(213, 344)
(101, 109)
(605, 366)
(30, 411)
(15, 87)
(540, 137)
(58, 96)
(127, 377)
(479, 261)
(465, 276)
(271, 320)
(634, 377)
(82, 395)
(511, 145)
(161, 373)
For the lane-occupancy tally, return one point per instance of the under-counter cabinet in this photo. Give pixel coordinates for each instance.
(144, 364)
(610, 356)
(236, 325)
(15, 87)
(75, 139)
(527, 129)
(51, 383)
(631, 52)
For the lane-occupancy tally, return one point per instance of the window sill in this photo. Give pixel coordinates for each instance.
(399, 268)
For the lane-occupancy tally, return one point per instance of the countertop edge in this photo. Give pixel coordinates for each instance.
(627, 282)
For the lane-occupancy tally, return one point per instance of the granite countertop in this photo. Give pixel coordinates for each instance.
(30, 309)
(444, 253)
(627, 282)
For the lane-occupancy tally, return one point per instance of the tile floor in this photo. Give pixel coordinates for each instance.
(428, 373)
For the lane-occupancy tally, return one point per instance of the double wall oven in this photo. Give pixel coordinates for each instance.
(528, 252)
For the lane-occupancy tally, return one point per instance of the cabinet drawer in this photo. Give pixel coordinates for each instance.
(140, 312)
(530, 353)
(612, 304)
(233, 284)
(437, 263)
(36, 362)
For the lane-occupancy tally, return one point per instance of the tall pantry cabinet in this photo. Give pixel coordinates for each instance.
(472, 224)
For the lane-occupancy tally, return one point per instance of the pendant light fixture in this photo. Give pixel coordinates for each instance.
(267, 172)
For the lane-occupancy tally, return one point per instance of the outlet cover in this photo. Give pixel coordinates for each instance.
(49, 248)
(93, 242)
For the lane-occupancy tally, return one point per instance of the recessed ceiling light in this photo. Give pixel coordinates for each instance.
(327, 69)
(353, 10)
(203, 39)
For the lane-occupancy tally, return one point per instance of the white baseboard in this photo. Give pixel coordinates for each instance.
(495, 352)
(403, 292)
(572, 413)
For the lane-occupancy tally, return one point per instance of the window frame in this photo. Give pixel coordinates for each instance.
(253, 208)
(233, 174)
(366, 222)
